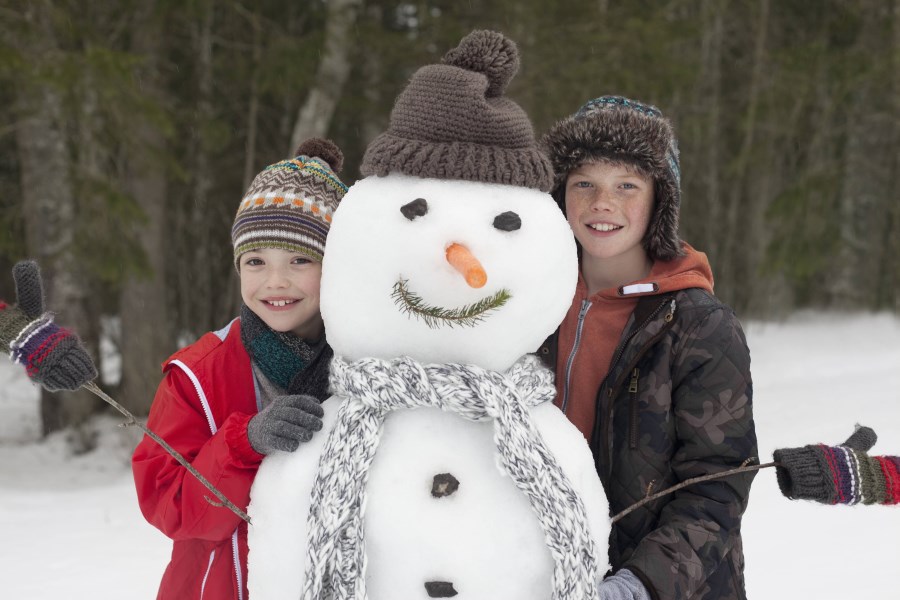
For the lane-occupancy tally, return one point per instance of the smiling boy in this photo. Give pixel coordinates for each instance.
(650, 366)
(249, 389)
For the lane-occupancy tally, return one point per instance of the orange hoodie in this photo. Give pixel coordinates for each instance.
(593, 327)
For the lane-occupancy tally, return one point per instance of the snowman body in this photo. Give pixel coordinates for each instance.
(441, 516)
(482, 538)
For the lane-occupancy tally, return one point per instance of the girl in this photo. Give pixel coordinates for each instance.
(249, 389)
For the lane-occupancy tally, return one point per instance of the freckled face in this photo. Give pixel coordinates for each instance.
(608, 207)
(282, 288)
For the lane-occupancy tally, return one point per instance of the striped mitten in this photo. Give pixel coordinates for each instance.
(52, 356)
(842, 474)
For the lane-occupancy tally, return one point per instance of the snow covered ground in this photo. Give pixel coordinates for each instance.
(72, 528)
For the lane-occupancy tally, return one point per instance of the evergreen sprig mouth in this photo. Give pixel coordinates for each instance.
(438, 316)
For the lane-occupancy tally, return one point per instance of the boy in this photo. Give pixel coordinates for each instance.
(650, 366)
(249, 389)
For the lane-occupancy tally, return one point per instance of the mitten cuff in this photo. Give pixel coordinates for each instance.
(12, 323)
(802, 474)
(242, 452)
(27, 346)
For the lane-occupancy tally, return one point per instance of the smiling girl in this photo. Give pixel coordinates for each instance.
(249, 389)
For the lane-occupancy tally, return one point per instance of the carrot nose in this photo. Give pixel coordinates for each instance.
(465, 262)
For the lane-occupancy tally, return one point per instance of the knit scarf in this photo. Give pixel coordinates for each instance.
(371, 388)
(287, 360)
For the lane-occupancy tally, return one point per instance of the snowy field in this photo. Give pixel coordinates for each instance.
(72, 527)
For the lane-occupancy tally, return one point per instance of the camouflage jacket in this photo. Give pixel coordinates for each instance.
(677, 404)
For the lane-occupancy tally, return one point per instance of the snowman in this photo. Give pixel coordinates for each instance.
(443, 468)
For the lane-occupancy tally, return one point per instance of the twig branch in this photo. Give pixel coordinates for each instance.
(92, 387)
(687, 482)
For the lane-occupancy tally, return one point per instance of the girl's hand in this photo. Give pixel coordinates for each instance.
(52, 356)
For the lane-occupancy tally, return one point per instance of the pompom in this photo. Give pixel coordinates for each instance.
(324, 149)
(487, 52)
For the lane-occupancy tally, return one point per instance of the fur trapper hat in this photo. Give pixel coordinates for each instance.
(623, 131)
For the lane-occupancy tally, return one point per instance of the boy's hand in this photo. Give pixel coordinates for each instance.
(624, 585)
(52, 356)
(285, 423)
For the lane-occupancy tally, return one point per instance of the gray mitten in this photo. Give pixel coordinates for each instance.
(285, 423)
(52, 356)
(624, 585)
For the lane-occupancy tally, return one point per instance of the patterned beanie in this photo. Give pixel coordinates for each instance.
(619, 130)
(289, 204)
(453, 122)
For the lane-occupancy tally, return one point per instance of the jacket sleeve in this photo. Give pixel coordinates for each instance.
(170, 497)
(712, 407)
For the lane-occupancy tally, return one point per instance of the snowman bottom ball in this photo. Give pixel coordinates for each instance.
(442, 518)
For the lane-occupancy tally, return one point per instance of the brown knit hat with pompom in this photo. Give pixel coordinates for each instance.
(453, 122)
(289, 204)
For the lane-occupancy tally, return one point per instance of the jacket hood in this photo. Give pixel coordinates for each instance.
(690, 270)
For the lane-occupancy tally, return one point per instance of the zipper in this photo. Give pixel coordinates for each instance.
(207, 410)
(200, 394)
(606, 441)
(237, 565)
(212, 556)
(633, 417)
(582, 313)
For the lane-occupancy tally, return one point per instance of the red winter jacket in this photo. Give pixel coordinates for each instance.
(201, 409)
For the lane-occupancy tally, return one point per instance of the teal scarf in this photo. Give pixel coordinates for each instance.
(287, 360)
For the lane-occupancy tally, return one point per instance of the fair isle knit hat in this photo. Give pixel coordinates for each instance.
(620, 130)
(453, 122)
(289, 205)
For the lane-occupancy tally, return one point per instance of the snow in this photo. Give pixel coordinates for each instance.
(371, 246)
(72, 527)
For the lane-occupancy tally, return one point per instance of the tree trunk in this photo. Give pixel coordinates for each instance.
(735, 266)
(314, 117)
(145, 320)
(48, 201)
(866, 179)
(889, 292)
(198, 288)
(711, 98)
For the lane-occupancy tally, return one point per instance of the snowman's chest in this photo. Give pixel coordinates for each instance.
(440, 516)
(438, 498)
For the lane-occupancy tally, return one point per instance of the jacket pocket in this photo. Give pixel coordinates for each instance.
(633, 412)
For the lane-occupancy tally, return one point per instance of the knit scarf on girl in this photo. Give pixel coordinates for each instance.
(371, 388)
(286, 359)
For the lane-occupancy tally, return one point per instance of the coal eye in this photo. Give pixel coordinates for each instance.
(416, 208)
(508, 221)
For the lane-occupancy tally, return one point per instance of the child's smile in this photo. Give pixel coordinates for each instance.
(608, 207)
(282, 288)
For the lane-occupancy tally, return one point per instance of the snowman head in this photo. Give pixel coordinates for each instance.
(450, 250)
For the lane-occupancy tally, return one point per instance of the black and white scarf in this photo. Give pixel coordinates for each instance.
(371, 388)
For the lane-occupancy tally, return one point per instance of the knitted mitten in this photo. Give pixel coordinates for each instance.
(842, 474)
(624, 585)
(285, 424)
(52, 356)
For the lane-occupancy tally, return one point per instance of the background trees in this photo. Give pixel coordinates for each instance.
(129, 131)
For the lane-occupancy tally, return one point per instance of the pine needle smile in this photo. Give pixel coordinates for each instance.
(436, 316)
